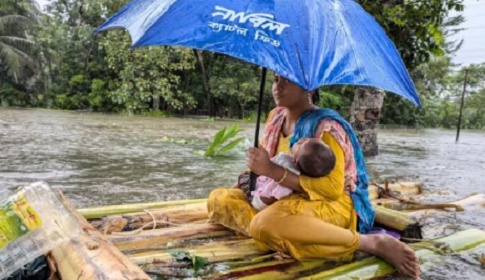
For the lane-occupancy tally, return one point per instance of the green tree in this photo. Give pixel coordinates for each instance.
(417, 28)
(17, 46)
(433, 80)
(71, 53)
(66, 66)
(236, 85)
(147, 76)
(474, 114)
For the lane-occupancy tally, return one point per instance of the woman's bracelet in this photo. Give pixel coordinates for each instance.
(284, 176)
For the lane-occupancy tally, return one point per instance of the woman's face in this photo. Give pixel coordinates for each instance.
(287, 94)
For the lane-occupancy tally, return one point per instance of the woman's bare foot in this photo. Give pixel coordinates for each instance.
(393, 251)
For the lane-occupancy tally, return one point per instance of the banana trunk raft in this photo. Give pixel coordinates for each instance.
(170, 240)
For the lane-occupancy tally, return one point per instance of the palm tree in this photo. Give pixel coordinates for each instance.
(17, 47)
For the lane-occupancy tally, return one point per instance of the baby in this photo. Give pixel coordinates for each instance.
(309, 156)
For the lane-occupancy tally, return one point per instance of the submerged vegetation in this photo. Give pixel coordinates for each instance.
(221, 144)
(224, 141)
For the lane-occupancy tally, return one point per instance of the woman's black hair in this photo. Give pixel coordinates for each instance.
(316, 97)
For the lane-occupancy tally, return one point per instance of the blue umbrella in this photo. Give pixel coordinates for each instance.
(310, 42)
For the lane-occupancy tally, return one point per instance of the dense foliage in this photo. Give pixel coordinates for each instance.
(54, 60)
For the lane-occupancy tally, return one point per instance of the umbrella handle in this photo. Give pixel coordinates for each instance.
(252, 181)
(252, 176)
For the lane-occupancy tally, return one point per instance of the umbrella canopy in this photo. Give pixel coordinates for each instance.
(310, 42)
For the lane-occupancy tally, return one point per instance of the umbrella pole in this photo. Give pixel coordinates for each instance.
(252, 176)
(461, 107)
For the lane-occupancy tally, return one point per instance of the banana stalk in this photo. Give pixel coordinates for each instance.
(171, 215)
(375, 267)
(399, 221)
(406, 188)
(161, 238)
(275, 270)
(471, 202)
(91, 256)
(212, 252)
(101, 211)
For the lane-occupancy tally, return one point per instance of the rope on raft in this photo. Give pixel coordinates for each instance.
(385, 193)
(440, 248)
(153, 223)
(153, 218)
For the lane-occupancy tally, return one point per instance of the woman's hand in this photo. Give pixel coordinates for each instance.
(258, 161)
(350, 183)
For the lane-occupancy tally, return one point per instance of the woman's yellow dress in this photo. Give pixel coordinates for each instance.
(318, 224)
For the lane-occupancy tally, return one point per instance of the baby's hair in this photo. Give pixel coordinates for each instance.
(319, 162)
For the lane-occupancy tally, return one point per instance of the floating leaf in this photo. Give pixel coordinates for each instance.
(181, 141)
(198, 153)
(185, 256)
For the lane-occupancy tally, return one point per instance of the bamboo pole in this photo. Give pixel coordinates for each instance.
(212, 252)
(159, 238)
(101, 211)
(375, 267)
(91, 256)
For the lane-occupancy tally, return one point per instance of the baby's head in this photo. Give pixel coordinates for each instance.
(313, 157)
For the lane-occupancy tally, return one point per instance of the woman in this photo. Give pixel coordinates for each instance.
(322, 218)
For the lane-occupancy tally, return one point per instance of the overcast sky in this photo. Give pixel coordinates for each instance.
(473, 50)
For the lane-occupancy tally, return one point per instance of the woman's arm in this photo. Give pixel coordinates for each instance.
(292, 181)
(258, 161)
(329, 187)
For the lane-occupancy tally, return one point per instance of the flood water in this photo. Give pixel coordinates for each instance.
(99, 159)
